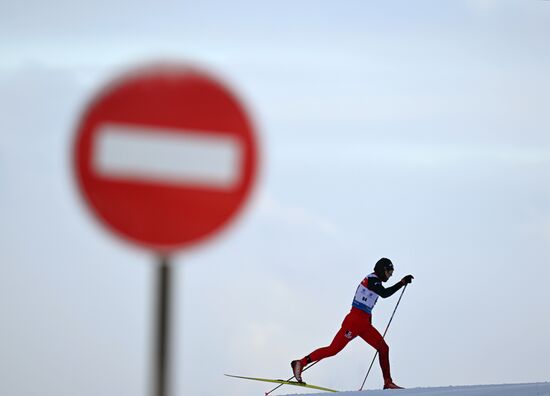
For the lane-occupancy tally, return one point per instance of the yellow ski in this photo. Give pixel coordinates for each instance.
(279, 381)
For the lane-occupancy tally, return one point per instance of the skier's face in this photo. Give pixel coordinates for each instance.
(389, 273)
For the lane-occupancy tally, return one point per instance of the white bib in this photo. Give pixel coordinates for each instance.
(365, 299)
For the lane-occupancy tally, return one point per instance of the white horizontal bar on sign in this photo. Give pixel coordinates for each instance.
(167, 156)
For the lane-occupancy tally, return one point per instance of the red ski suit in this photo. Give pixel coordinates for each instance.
(358, 322)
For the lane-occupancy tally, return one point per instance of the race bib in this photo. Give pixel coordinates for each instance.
(364, 299)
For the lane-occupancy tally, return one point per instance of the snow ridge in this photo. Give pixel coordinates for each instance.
(533, 389)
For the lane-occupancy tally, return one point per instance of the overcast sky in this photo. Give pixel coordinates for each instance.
(419, 131)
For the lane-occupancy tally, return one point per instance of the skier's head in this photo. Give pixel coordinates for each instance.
(383, 269)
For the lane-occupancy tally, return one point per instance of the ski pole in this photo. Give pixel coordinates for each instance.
(384, 335)
(278, 386)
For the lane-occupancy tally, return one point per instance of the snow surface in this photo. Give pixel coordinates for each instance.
(535, 389)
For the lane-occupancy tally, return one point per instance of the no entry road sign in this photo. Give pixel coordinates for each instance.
(165, 156)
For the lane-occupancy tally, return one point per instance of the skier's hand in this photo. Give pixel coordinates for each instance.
(407, 279)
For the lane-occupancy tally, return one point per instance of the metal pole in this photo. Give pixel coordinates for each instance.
(162, 328)
(384, 335)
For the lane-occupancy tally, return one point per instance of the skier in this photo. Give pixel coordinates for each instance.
(358, 322)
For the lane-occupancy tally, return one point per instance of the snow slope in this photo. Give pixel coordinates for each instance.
(535, 389)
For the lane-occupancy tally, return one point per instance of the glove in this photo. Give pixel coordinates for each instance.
(407, 279)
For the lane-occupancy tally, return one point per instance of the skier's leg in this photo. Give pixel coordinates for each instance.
(340, 340)
(346, 333)
(375, 339)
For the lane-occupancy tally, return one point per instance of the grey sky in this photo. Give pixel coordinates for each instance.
(417, 131)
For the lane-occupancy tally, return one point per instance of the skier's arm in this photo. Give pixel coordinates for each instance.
(376, 286)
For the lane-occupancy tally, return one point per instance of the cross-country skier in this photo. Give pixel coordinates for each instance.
(358, 322)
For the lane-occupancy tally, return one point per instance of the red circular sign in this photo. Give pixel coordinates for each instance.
(165, 156)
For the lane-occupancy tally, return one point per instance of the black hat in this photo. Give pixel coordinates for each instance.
(381, 266)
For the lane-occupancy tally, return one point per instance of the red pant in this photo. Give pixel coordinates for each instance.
(356, 323)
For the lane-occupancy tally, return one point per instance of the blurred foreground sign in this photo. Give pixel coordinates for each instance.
(165, 156)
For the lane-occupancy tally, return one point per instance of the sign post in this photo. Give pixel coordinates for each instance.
(162, 355)
(165, 157)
